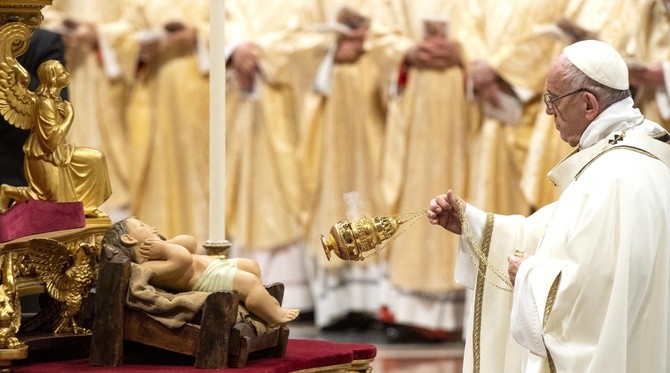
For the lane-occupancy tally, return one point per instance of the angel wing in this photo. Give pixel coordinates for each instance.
(17, 101)
(51, 260)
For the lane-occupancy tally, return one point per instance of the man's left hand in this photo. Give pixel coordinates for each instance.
(514, 260)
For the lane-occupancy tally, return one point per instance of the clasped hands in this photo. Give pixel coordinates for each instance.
(485, 82)
(350, 45)
(435, 53)
(178, 36)
(245, 62)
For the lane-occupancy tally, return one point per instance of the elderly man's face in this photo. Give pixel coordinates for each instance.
(567, 105)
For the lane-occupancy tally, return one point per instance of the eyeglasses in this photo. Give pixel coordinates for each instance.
(550, 101)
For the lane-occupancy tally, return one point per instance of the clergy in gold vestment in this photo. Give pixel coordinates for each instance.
(583, 19)
(262, 135)
(420, 57)
(507, 68)
(649, 59)
(341, 129)
(168, 114)
(98, 90)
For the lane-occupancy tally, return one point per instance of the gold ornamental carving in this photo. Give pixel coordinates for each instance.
(28, 12)
(10, 305)
(68, 272)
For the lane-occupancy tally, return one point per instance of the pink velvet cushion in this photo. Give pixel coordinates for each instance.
(33, 217)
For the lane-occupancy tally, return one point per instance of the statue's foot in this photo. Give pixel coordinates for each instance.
(96, 214)
(14, 343)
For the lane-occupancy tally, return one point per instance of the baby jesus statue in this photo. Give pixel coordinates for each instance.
(176, 267)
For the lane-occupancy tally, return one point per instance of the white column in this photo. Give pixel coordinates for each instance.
(217, 125)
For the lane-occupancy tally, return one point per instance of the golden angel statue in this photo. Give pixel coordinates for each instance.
(55, 170)
(68, 272)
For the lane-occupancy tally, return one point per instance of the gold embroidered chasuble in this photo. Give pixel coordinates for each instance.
(262, 129)
(168, 120)
(519, 55)
(425, 142)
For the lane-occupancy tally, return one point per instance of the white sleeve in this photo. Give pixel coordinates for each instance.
(466, 269)
(531, 289)
(324, 73)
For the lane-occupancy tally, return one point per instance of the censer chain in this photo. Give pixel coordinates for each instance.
(481, 257)
(408, 217)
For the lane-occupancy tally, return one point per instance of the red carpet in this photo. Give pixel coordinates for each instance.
(300, 354)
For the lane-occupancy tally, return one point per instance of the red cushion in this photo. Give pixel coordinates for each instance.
(362, 351)
(300, 354)
(33, 217)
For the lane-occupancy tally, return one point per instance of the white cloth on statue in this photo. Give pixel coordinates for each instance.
(608, 236)
(280, 265)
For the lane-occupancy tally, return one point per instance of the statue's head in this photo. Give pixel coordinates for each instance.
(52, 76)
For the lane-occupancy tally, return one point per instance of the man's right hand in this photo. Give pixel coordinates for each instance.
(445, 210)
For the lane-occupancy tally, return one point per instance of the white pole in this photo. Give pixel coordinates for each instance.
(217, 125)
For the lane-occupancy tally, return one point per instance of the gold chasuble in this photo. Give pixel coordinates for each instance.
(340, 142)
(98, 87)
(262, 131)
(263, 189)
(604, 20)
(168, 115)
(424, 152)
(519, 56)
(651, 47)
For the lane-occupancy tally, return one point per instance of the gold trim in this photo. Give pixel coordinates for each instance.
(551, 298)
(627, 147)
(340, 368)
(361, 366)
(479, 295)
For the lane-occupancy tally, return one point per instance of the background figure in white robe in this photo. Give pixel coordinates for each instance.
(590, 273)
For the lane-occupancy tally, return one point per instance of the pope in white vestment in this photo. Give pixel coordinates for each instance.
(589, 275)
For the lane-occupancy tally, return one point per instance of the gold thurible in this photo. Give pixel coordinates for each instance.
(356, 240)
